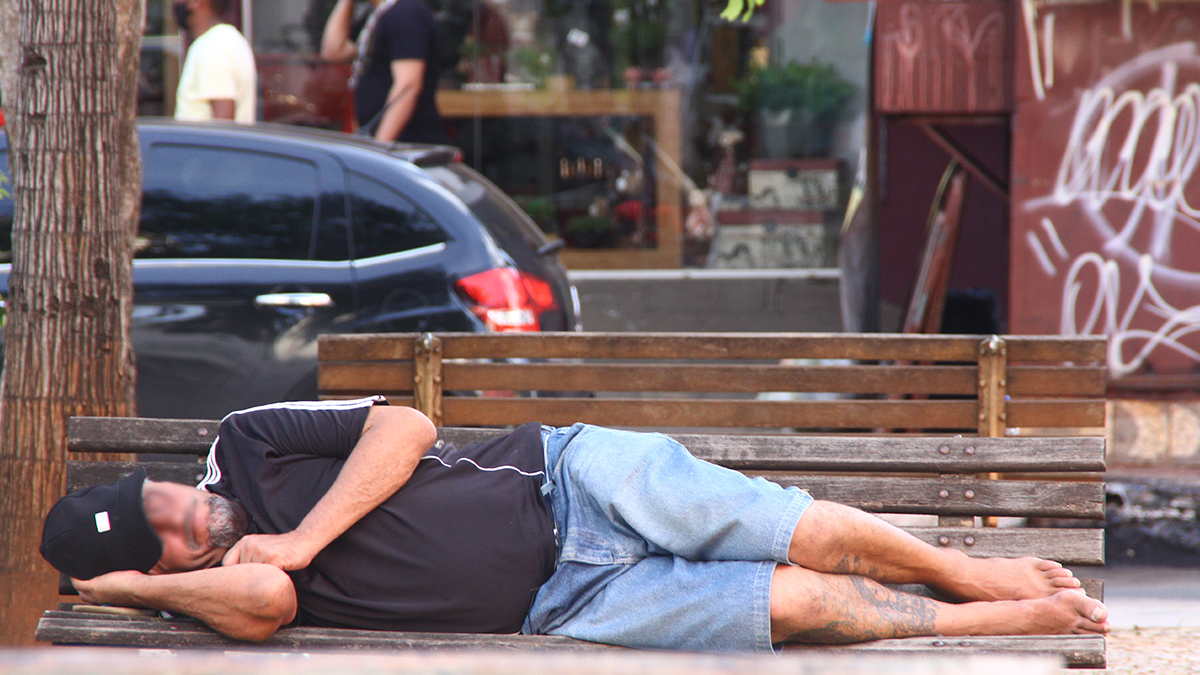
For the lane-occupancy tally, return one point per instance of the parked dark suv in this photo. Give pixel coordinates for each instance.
(255, 240)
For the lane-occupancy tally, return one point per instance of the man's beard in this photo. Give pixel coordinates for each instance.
(227, 521)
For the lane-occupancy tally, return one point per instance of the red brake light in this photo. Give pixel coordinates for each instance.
(508, 300)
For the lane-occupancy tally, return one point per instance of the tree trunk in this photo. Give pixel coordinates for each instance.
(76, 172)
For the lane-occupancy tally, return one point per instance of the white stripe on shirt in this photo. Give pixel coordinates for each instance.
(468, 460)
(213, 476)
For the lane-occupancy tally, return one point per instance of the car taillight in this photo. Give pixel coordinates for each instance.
(508, 300)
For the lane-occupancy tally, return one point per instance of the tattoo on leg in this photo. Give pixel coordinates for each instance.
(870, 611)
(853, 565)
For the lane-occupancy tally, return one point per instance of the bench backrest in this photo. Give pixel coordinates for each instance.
(805, 382)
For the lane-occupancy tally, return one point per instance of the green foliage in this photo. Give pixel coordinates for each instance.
(532, 64)
(590, 231)
(543, 212)
(814, 87)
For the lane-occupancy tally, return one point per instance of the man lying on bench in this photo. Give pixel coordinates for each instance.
(348, 514)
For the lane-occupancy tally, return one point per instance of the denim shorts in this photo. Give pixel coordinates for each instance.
(657, 549)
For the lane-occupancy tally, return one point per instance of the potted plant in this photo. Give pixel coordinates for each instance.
(799, 105)
(591, 231)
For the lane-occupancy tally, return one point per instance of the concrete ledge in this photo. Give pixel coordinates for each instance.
(1159, 433)
(702, 300)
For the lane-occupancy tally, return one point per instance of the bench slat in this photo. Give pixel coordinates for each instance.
(1059, 413)
(83, 628)
(639, 412)
(140, 434)
(710, 413)
(1079, 651)
(397, 376)
(903, 347)
(738, 451)
(896, 453)
(1069, 546)
(81, 474)
(925, 495)
(872, 493)
(77, 628)
(379, 376)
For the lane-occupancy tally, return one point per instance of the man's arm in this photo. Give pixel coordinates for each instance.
(222, 108)
(245, 602)
(407, 78)
(335, 39)
(393, 441)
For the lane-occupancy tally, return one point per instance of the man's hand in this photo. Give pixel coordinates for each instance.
(108, 589)
(286, 551)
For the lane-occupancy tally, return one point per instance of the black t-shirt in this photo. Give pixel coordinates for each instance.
(462, 547)
(406, 30)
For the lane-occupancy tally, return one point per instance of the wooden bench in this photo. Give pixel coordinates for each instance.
(916, 383)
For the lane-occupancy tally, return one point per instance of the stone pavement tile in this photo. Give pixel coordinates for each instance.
(1151, 651)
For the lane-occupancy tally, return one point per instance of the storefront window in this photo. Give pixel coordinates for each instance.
(645, 133)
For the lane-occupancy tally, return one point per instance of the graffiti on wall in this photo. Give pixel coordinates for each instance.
(1109, 217)
(942, 57)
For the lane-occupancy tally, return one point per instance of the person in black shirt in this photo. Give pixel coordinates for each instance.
(352, 514)
(396, 68)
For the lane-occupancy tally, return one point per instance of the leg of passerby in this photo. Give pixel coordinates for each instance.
(838, 539)
(816, 607)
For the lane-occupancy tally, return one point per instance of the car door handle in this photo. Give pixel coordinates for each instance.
(294, 300)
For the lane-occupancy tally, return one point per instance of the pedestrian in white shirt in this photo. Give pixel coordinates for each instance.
(218, 80)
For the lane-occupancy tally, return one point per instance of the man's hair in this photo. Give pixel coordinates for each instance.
(219, 7)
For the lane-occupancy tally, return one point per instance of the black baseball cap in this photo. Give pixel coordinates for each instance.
(101, 529)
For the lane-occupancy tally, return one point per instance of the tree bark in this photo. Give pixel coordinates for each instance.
(76, 173)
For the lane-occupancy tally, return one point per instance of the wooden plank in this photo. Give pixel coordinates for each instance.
(1069, 546)
(736, 451)
(896, 453)
(944, 495)
(397, 376)
(622, 412)
(385, 376)
(693, 377)
(1074, 381)
(711, 346)
(785, 452)
(81, 628)
(869, 347)
(366, 347)
(77, 629)
(84, 474)
(1080, 651)
(1080, 348)
(1062, 413)
(136, 434)
(951, 495)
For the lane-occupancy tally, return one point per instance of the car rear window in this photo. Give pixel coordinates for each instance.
(387, 222)
(214, 202)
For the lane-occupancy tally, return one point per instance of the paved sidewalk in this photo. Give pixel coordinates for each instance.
(1156, 619)
(1152, 651)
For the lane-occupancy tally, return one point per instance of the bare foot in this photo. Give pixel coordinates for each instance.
(1064, 613)
(1008, 579)
(1068, 612)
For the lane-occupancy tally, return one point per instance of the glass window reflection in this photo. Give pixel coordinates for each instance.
(219, 203)
(387, 222)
